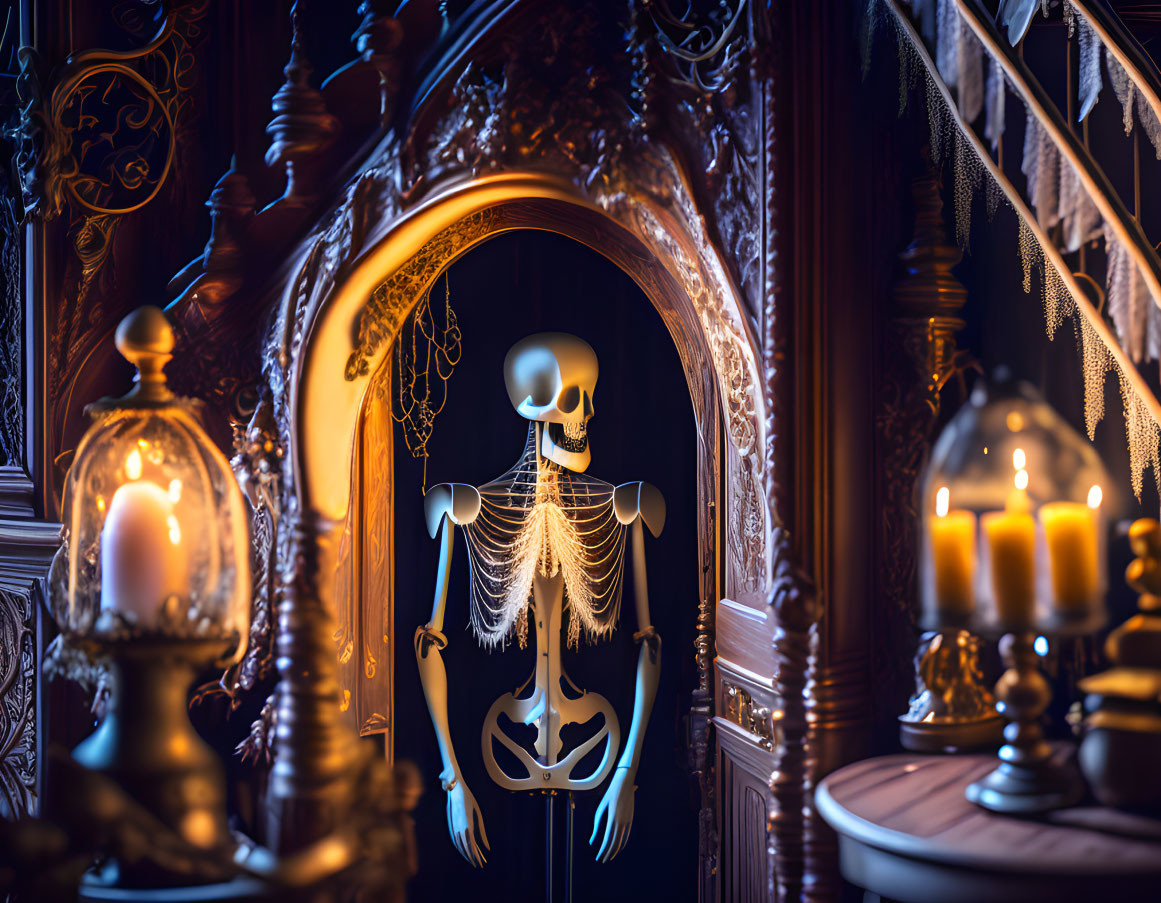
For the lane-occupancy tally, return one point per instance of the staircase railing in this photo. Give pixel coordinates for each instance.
(1066, 200)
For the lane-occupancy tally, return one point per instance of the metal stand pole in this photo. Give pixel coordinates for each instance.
(548, 799)
(568, 851)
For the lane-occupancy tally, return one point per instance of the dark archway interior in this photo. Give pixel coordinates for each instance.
(519, 283)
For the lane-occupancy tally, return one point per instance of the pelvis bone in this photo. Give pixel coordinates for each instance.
(549, 709)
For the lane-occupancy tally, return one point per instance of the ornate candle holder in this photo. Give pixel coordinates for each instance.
(1014, 530)
(153, 578)
(952, 710)
(1030, 778)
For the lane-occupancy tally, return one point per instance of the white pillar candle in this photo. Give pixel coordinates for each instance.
(142, 558)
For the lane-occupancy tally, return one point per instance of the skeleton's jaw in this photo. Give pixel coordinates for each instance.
(566, 444)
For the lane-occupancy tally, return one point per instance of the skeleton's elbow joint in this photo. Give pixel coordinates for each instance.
(425, 638)
(652, 640)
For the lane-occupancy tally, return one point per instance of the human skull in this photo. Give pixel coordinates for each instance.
(550, 378)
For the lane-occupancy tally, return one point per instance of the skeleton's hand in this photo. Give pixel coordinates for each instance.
(466, 824)
(617, 807)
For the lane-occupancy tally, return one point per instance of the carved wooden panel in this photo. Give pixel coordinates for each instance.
(18, 758)
(26, 549)
(747, 735)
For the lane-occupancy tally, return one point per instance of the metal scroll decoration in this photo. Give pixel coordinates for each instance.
(703, 49)
(426, 353)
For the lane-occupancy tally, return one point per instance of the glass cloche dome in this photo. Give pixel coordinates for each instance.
(1014, 507)
(154, 522)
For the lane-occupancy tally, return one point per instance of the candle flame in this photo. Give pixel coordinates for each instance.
(1019, 459)
(175, 491)
(1021, 479)
(101, 503)
(942, 501)
(174, 530)
(133, 465)
(1094, 497)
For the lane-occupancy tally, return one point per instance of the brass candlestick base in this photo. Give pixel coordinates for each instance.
(148, 746)
(951, 711)
(1028, 779)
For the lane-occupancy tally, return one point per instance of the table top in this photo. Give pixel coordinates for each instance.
(911, 807)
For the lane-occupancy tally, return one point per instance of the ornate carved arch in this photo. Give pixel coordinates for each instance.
(489, 150)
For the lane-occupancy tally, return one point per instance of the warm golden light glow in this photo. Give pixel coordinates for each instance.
(174, 530)
(133, 465)
(101, 503)
(175, 491)
(1015, 421)
(1019, 459)
(1021, 479)
(942, 501)
(1095, 496)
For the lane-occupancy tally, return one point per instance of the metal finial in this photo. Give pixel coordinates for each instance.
(145, 339)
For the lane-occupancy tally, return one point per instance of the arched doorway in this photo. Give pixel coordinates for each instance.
(339, 317)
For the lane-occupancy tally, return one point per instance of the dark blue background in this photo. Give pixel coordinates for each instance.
(643, 429)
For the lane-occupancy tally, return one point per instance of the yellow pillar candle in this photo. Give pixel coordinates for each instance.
(953, 557)
(1011, 537)
(1070, 531)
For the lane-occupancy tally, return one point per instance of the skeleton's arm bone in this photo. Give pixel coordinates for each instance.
(635, 503)
(444, 505)
(648, 659)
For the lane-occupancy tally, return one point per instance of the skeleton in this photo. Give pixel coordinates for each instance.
(545, 540)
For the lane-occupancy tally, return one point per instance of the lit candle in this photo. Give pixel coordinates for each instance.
(1018, 498)
(1070, 530)
(142, 559)
(1011, 537)
(953, 556)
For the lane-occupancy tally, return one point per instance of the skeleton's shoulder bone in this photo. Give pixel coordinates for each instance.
(644, 499)
(459, 502)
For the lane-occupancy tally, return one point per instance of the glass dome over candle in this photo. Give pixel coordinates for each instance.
(154, 522)
(1014, 508)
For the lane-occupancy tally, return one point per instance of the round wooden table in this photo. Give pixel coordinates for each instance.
(907, 833)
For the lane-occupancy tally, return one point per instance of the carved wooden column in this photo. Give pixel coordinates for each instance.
(302, 127)
(314, 748)
(919, 358)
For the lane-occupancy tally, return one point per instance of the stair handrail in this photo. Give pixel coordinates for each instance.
(1127, 370)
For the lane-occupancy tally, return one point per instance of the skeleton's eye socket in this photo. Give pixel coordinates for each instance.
(542, 388)
(569, 398)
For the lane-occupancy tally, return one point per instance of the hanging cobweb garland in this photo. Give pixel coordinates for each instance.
(993, 194)
(1134, 105)
(1058, 301)
(939, 123)
(909, 67)
(1057, 196)
(1088, 43)
(1132, 309)
(426, 353)
(1143, 435)
(1030, 252)
(1096, 361)
(970, 83)
(968, 174)
(1040, 164)
(947, 36)
(995, 101)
